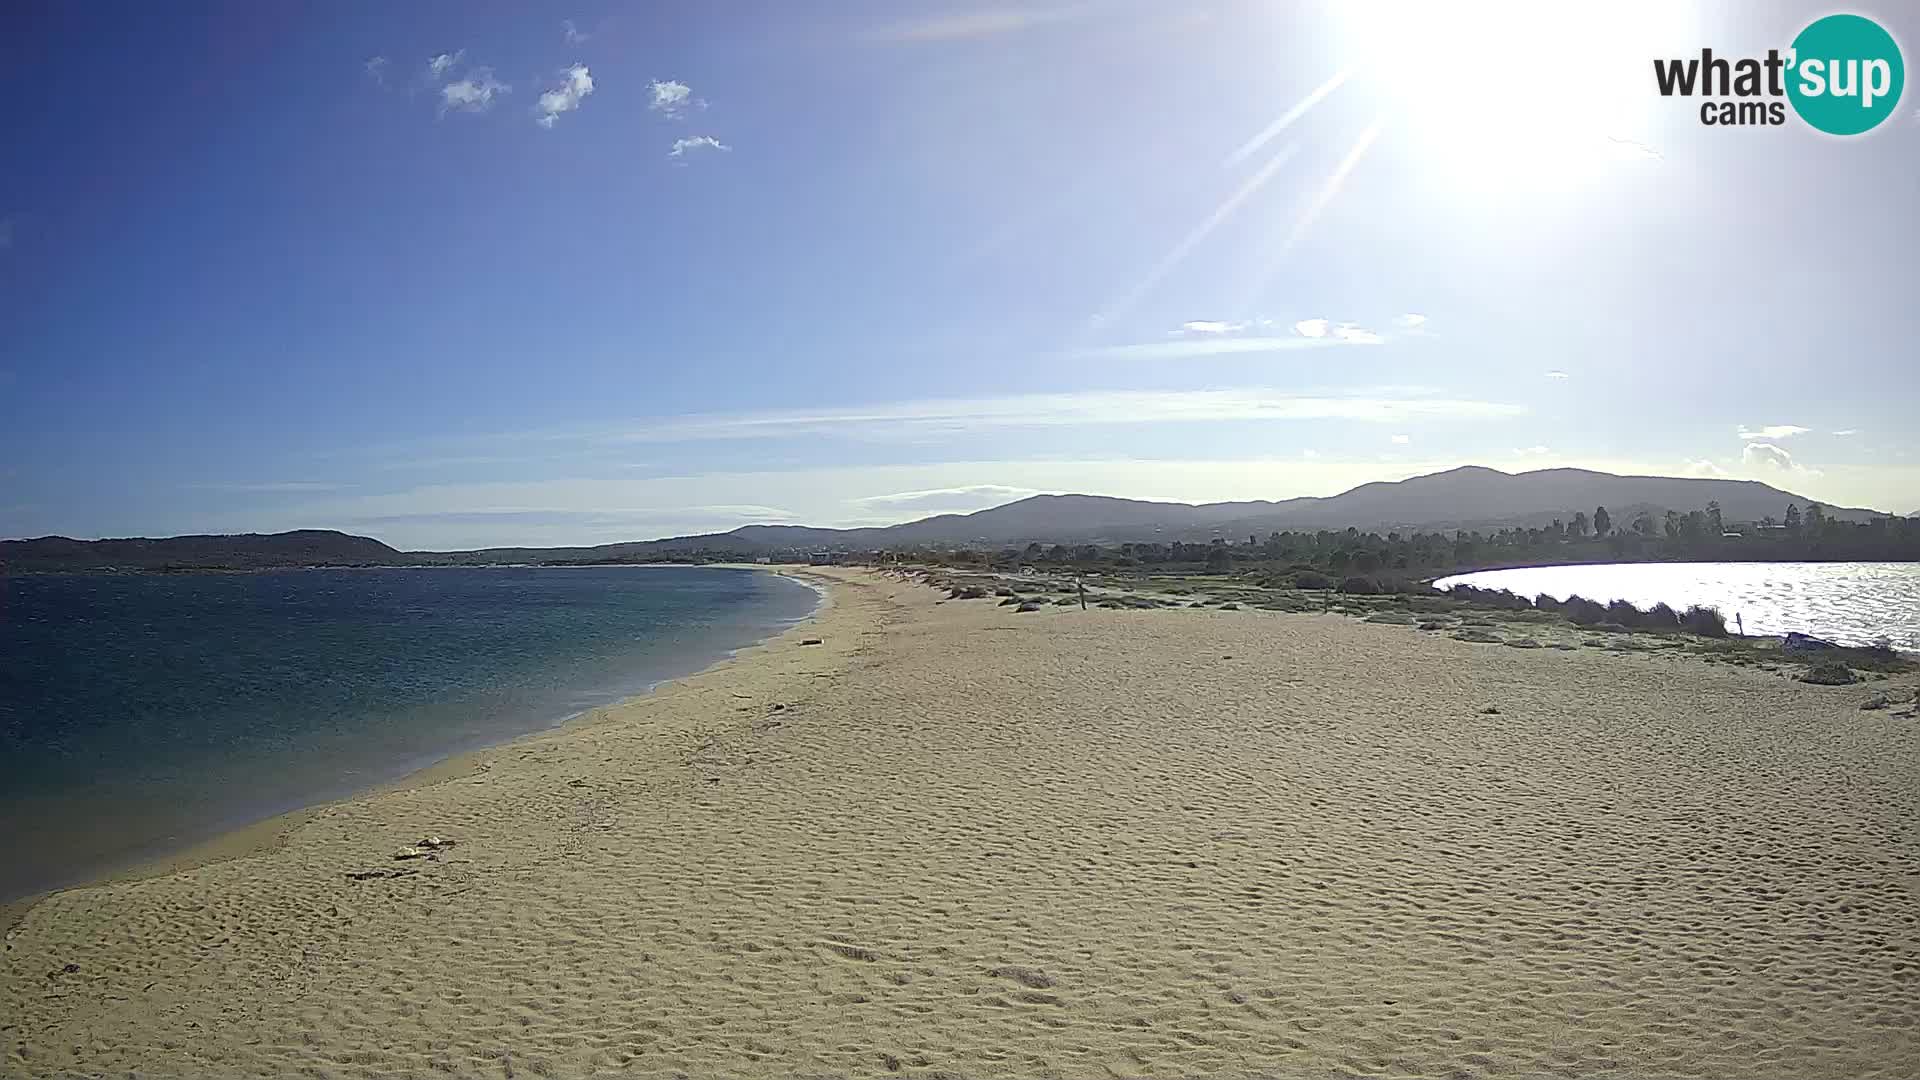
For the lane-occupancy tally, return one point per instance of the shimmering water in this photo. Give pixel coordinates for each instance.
(1852, 603)
(140, 713)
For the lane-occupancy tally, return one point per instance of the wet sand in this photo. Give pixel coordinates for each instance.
(952, 839)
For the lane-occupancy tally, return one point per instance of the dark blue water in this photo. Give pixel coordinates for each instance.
(142, 713)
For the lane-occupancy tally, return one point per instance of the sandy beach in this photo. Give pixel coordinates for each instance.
(950, 839)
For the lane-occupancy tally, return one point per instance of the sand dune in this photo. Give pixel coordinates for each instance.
(956, 840)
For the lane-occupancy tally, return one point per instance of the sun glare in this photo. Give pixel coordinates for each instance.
(1503, 92)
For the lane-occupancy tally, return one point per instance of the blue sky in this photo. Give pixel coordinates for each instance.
(540, 275)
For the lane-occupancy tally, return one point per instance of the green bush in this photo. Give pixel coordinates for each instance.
(1705, 621)
(1311, 579)
(1359, 586)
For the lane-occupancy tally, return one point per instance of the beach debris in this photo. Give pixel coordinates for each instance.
(1521, 643)
(576, 782)
(1491, 710)
(1028, 606)
(1229, 606)
(1479, 636)
(811, 641)
(65, 969)
(1431, 626)
(1795, 642)
(1877, 701)
(1829, 673)
(1031, 978)
(427, 847)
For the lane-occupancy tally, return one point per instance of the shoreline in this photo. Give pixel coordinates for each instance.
(272, 832)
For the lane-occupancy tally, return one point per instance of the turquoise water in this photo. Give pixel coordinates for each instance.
(142, 713)
(1855, 603)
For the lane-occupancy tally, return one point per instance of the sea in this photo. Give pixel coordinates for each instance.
(1851, 603)
(143, 713)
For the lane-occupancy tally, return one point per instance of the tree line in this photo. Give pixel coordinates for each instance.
(1800, 535)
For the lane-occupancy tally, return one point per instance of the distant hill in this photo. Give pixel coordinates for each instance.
(243, 551)
(1465, 498)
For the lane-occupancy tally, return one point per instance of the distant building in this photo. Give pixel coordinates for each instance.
(823, 558)
(764, 559)
(1730, 535)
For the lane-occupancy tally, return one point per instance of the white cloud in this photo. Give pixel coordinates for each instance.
(1402, 440)
(1703, 467)
(964, 415)
(1531, 451)
(1766, 455)
(670, 98)
(1556, 374)
(272, 487)
(474, 93)
(572, 33)
(938, 500)
(377, 69)
(1346, 333)
(697, 144)
(576, 83)
(1774, 431)
(1209, 326)
(1410, 321)
(444, 63)
(1310, 455)
(1848, 431)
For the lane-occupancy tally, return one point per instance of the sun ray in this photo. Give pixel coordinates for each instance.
(1199, 232)
(1331, 189)
(1299, 110)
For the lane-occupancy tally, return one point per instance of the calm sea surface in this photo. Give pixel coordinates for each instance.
(1852, 603)
(142, 713)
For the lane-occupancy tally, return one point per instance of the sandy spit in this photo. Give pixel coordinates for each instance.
(956, 840)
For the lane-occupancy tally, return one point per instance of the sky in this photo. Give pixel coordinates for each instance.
(457, 276)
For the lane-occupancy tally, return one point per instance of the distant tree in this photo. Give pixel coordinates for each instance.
(1714, 524)
(1643, 524)
(1579, 526)
(1816, 518)
(1219, 559)
(1793, 516)
(1672, 525)
(1602, 521)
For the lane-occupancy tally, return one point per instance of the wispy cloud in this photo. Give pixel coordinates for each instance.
(1847, 431)
(1774, 431)
(1410, 321)
(575, 84)
(936, 500)
(671, 98)
(1630, 150)
(268, 487)
(1211, 326)
(1402, 440)
(696, 145)
(988, 22)
(475, 93)
(1556, 375)
(963, 415)
(443, 63)
(573, 34)
(376, 68)
(1531, 451)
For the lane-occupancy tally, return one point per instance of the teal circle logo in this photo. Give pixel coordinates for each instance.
(1845, 75)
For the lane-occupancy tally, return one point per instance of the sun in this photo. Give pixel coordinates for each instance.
(1502, 92)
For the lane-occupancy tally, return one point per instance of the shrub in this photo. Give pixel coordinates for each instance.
(1359, 586)
(1546, 603)
(1311, 579)
(1583, 612)
(1662, 617)
(1625, 614)
(1705, 621)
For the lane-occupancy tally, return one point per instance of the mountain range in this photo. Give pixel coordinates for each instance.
(1470, 497)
